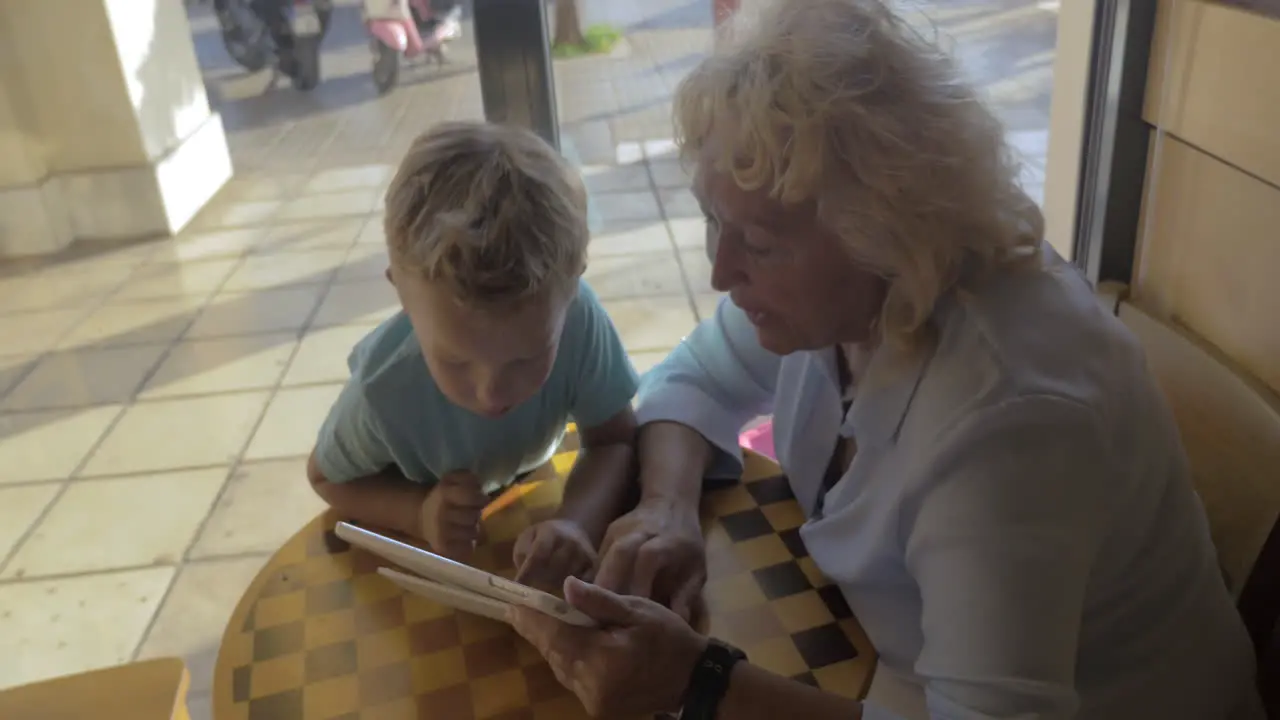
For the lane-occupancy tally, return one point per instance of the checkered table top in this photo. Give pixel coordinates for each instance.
(320, 635)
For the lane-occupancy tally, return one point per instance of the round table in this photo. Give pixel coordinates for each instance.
(319, 634)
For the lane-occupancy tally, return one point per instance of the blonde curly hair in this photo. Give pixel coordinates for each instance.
(491, 212)
(845, 104)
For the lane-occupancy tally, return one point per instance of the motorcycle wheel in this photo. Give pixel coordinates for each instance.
(244, 36)
(386, 67)
(248, 54)
(306, 64)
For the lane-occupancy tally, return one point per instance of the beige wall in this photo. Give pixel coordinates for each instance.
(21, 162)
(1067, 121)
(160, 71)
(1209, 241)
(105, 126)
(68, 77)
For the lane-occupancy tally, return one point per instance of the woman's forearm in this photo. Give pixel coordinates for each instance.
(673, 460)
(757, 693)
(388, 500)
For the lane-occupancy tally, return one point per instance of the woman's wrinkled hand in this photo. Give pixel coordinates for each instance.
(637, 662)
(656, 551)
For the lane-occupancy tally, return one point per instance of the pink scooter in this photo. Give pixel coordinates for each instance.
(408, 29)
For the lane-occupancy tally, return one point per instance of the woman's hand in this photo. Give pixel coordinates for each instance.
(638, 662)
(547, 553)
(656, 551)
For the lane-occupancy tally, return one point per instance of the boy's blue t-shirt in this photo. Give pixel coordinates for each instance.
(390, 413)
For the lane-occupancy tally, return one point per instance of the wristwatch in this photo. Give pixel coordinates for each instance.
(710, 680)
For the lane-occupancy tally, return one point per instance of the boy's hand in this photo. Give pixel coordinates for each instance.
(450, 516)
(547, 553)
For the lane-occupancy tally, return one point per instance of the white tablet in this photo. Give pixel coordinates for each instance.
(441, 572)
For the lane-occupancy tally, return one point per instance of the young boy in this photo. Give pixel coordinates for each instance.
(498, 344)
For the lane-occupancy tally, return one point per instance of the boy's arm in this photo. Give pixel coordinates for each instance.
(352, 468)
(386, 499)
(596, 491)
(600, 481)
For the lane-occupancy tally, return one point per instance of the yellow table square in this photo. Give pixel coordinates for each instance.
(438, 670)
(331, 697)
(499, 693)
(277, 675)
(329, 628)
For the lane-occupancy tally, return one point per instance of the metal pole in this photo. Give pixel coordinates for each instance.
(513, 52)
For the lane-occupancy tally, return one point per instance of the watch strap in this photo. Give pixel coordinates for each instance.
(710, 680)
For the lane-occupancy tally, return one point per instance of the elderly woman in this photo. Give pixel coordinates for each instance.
(989, 473)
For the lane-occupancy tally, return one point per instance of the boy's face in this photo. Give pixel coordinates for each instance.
(483, 360)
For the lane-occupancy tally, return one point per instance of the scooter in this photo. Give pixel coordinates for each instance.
(244, 35)
(406, 29)
(293, 29)
(308, 24)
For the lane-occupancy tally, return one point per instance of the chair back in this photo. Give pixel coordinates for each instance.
(1230, 427)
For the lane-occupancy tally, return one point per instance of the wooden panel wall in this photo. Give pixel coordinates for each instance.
(1209, 242)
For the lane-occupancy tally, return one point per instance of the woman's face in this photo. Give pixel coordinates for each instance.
(786, 272)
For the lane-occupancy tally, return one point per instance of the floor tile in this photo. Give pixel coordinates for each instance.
(368, 302)
(373, 232)
(208, 245)
(19, 508)
(262, 272)
(25, 440)
(669, 173)
(644, 361)
(276, 186)
(337, 234)
(629, 238)
(13, 368)
(263, 506)
(322, 355)
(650, 323)
(170, 279)
(200, 704)
(366, 262)
(349, 178)
(679, 203)
(706, 304)
(36, 332)
(195, 613)
(615, 178)
(69, 625)
(118, 523)
(622, 276)
(237, 313)
(627, 206)
(133, 323)
(328, 205)
(93, 376)
(198, 367)
(169, 434)
(52, 290)
(697, 271)
(689, 233)
(293, 418)
(237, 213)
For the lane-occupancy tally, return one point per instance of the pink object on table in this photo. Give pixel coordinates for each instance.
(759, 439)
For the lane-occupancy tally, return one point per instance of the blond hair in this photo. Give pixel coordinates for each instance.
(491, 212)
(844, 104)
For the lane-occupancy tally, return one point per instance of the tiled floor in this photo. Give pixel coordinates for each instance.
(157, 401)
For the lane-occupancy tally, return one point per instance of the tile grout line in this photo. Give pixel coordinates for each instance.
(176, 566)
(234, 468)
